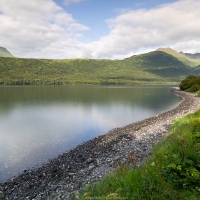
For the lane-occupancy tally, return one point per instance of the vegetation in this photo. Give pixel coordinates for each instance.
(156, 67)
(172, 172)
(191, 84)
(181, 57)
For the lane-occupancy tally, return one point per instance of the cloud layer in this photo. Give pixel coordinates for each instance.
(40, 28)
(175, 25)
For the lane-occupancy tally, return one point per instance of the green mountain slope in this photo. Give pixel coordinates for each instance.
(182, 57)
(83, 71)
(151, 68)
(160, 64)
(197, 70)
(5, 53)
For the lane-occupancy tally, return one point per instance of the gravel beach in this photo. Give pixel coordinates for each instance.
(65, 175)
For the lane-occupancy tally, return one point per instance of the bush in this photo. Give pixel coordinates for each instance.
(190, 84)
(194, 88)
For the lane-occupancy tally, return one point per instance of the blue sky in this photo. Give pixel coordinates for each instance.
(94, 13)
(113, 29)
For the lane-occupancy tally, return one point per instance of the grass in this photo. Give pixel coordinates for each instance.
(172, 171)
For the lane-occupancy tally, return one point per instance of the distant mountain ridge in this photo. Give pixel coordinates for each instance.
(4, 52)
(191, 55)
(164, 66)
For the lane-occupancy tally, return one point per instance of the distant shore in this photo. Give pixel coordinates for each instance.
(65, 175)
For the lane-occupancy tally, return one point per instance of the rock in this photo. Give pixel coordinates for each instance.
(89, 160)
(2, 195)
(91, 167)
(71, 174)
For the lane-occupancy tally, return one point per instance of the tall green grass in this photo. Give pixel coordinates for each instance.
(172, 171)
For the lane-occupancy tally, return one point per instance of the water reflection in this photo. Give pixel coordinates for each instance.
(39, 123)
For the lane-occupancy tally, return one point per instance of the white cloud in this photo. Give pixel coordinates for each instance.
(173, 24)
(38, 28)
(41, 28)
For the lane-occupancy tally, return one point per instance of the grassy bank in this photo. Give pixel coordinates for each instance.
(172, 171)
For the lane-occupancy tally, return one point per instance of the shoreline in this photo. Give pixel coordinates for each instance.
(65, 175)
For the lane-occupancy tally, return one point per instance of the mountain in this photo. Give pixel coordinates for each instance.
(5, 53)
(197, 70)
(190, 55)
(163, 66)
(182, 57)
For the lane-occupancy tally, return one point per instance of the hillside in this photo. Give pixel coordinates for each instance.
(76, 71)
(161, 64)
(5, 53)
(156, 67)
(182, 57)
(197, 70)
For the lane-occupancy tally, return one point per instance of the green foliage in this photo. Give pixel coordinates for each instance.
(77, 71)
(154, 68)
(183, 174)
(172, 171)
(184, 169)
(190, 84)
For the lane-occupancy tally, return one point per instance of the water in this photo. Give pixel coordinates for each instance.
(38, 123)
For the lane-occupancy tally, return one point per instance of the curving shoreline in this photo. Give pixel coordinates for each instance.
(89, 162)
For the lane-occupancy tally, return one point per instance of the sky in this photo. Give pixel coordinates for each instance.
(109, 29)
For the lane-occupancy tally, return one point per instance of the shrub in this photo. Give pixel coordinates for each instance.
(190, 84)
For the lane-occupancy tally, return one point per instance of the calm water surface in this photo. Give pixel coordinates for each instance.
(38, 123)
